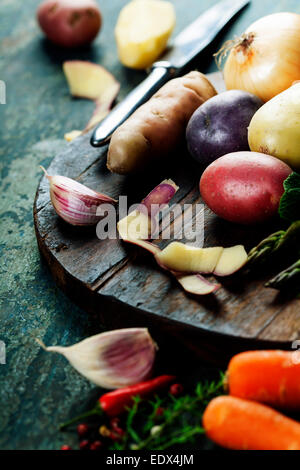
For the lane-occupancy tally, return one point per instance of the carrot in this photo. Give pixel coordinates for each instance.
(245, 425)
(270, 377)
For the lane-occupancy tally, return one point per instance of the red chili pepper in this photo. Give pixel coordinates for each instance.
(115, 402)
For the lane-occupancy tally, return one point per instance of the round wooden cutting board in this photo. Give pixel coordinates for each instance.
(124, 286)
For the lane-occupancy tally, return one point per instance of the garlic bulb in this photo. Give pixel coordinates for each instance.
(74, 202)
(114, 359)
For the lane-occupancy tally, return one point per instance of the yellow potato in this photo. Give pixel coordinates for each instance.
(142, 31)
(156, 128)
(275, 127)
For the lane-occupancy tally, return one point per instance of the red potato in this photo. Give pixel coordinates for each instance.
(157, 127)
(244, 187)
(69, 23)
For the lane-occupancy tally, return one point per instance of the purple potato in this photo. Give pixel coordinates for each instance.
(220, 125)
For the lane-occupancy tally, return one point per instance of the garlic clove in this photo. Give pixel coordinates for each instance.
(75, 203)
(114, 359)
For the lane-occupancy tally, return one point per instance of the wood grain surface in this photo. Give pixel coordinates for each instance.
(100, 273)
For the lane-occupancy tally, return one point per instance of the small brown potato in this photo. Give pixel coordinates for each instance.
(158, 126)
(69, 23)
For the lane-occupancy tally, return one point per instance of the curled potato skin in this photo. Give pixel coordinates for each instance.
(156, 127)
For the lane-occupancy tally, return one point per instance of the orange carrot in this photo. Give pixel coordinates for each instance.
(245, 425)
(270, 377)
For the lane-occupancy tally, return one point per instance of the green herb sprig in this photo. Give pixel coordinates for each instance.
(180, 422)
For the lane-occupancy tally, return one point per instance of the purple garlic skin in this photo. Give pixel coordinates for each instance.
(114, 359)
(75, 203)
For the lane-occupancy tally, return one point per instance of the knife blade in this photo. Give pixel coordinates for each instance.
(186, 46)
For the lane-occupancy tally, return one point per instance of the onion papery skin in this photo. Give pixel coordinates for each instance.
(266, 61)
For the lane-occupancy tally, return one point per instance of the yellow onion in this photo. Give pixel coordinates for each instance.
(265, 60)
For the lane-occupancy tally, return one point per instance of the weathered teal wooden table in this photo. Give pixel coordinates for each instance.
(38, 391)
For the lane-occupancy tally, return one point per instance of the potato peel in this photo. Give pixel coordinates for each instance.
(93, 82)
(160, 195)
(191, 283)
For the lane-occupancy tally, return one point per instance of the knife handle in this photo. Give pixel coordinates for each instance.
(161, 72)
